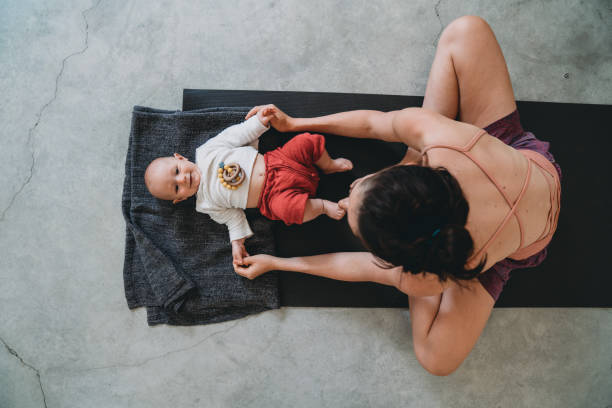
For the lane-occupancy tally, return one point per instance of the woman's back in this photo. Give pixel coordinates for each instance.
(487, 169)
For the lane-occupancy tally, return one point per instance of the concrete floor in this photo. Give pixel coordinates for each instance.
(70, 71)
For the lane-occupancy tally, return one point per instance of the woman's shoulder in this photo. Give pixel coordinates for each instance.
(444, 131)
(420, 127)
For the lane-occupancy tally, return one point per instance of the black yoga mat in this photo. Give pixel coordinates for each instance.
(576, 272)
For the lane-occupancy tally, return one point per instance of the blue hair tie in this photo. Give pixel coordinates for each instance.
(433, 235)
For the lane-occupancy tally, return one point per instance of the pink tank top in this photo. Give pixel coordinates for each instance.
(555, 194)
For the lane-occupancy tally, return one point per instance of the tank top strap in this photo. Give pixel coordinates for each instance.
(512, 204)
(511, 212)
(466, 151)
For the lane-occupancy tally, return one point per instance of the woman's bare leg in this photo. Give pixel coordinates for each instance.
(469, 79)
(446, 327)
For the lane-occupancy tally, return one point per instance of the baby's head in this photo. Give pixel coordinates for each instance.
(172, 178)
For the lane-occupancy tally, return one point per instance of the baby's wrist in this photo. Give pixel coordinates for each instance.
(261, 121)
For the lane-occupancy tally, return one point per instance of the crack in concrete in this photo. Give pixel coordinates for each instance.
(14, 353)
(161, 355)
(437, 11)
(45, 106)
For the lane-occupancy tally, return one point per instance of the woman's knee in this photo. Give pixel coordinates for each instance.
(434, 362)
(465, 27)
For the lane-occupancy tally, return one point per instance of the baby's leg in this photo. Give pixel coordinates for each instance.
(329, 165)
(318, 206)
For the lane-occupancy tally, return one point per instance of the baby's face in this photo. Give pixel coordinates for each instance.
(173, 178)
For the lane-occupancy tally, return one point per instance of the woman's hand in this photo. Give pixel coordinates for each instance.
(255, 265)
(274, 116)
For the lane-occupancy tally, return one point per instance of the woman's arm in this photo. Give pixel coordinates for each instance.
(368, 124)
(404, 125)
(345, 266)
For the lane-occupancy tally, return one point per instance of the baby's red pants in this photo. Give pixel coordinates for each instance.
(291, 178)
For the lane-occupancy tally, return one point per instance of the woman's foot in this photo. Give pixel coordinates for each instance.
(333, 210)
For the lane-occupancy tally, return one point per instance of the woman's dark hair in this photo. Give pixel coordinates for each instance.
(414, 217)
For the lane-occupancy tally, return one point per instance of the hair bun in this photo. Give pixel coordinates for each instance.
(448, 253)
(414, 217)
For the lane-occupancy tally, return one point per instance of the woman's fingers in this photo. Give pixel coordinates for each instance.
(253, 266)
(266, 110)
(239, 269)
(245, 271)
(271, 115)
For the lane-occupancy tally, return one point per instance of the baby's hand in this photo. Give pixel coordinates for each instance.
(271, 115)
(238, 251)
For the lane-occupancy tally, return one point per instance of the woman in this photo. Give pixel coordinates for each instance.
(466, 207)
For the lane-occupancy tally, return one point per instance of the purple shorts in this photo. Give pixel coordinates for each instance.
(510, 131)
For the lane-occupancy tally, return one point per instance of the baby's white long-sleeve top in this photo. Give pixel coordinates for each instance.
(223, 205)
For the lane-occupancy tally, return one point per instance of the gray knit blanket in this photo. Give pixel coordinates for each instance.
(178, 262)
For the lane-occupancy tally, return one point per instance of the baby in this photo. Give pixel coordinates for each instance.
(229, 175)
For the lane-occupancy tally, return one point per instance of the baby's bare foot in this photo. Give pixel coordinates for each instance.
(338, 165)
(333, 210)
